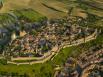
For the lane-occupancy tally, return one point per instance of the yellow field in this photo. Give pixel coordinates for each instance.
(79, 12)
(49, 8)
(38, 6)
(97, 7)
(57, 5)
(14, 4)
(101, 1)
(94, 3)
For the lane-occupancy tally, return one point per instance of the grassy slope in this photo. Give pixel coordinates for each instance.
(93, 6)
(38, 6)
(34, 4)
(50, 13)
(95, 3)
(30, 14)
(57, 5)
(9, 4)
(4, 19)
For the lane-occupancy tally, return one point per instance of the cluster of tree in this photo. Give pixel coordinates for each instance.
(3, 61)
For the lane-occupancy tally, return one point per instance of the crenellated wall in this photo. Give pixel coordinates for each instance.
(52, 54)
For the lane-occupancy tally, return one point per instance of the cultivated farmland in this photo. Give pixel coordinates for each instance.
(37, 5)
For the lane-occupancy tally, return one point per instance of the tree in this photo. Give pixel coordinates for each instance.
(83, 34)
(3, 61)
(1, 4)
(26, 75)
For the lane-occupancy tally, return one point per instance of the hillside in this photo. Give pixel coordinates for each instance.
(56, 8)
(92, 6)
(94, 3)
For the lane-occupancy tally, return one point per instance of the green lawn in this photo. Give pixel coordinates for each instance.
(5, 18)
(29, 14)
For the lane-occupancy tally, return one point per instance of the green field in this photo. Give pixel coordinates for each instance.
(36, 5)
(94, 3)
(92, 6)
(54, 8)
(29, 14)
(4, 19)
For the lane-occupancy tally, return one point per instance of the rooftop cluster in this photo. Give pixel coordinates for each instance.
(57, 32)
(75, 67)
